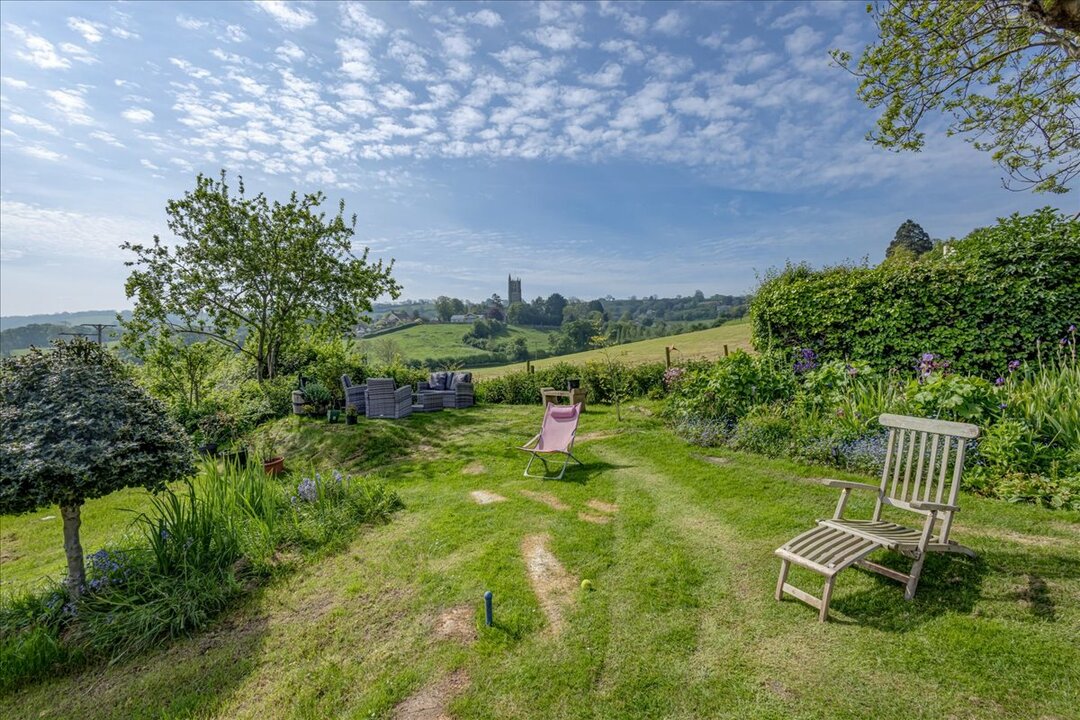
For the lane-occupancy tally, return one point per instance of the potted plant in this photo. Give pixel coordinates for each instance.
(351, 415)
(273, 463)
(217, 430)
(318, 395)
(332, 414)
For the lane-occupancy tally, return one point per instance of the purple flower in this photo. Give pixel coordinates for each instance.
(807, 360)
(1063, 341)
(307, 490)
(928, 357)
(1072, 328)
(1014, 365)
(852, 370)
(1003, 406)
(999, 381)
(338, 477)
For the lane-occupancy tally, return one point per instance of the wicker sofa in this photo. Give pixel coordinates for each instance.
(386, 401)
(455, 388)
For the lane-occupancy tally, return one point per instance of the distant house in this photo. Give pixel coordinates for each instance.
(391, 319)
(461, 319)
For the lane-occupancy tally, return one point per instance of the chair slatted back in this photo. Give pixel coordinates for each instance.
(924, 460)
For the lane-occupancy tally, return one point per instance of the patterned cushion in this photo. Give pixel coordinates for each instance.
(459, 377)
(438, 381)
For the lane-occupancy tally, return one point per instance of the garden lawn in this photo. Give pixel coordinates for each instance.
(681, 622)
(708, 344)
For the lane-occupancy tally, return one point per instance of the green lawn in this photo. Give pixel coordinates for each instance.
(681, 623)
(698, 344)
(444, 340)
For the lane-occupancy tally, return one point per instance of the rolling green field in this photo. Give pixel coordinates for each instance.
(698, 344)
(680, 621)
(443, 341)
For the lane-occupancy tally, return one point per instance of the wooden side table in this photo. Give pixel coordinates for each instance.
(575, 396)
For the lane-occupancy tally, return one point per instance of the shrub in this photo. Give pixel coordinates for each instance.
(991, 300)
(727, 389)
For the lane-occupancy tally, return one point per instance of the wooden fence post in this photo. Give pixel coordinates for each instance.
(725, 350)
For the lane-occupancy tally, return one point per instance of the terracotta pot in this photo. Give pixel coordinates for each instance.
(274, 466)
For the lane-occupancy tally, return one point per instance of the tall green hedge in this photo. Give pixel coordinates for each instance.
(995, 295)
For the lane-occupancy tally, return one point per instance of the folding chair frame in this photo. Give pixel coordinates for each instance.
(538, 455)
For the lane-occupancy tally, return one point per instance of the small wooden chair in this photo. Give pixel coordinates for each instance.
(924, 460)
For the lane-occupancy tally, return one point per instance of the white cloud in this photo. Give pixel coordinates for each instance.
(802, 40)
(354, 16)
(107, 138)
(79, 54)
(190, 23)
(139, 116)
(628, 21)
(13, 83)
(465, 120)
(286, 15)
(456, 45)
(37, 50)
(671, 23)
(558, 38)
(36, 230)
(194, 71)
(71, 105)
(356, 59)
(41, 153)
(91, 31)
(41, 126)
(148, 164)
(395, 96)
(647, 104)
(714, 40)
(290, 52)
(235, 34)
(670, 66)
(486, 17)
(608, 76)
(628, 49)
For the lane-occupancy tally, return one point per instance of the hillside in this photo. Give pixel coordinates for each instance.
(699, 344)
(442, 342)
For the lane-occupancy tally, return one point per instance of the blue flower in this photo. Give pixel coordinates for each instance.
(999, 381)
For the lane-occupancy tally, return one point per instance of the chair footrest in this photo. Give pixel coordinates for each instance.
(827, 550)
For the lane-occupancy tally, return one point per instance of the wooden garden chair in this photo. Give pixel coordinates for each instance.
(924, 460)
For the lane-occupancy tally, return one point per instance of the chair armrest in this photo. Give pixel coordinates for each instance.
(933, 506)
(464, 387)
(847, 485)
(402, 392)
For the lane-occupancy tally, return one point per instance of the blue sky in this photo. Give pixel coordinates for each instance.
(592, 149)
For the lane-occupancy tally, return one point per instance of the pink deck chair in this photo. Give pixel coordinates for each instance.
(556, 436)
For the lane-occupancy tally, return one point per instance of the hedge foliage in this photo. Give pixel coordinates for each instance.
(998, 294)
(522, 388)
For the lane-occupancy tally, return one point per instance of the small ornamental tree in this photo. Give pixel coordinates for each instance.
(76, 426)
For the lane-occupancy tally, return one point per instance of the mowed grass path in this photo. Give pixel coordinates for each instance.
(697, 344)
(681, 624)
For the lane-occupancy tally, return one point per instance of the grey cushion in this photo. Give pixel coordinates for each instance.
(439, 381)
(460, 377)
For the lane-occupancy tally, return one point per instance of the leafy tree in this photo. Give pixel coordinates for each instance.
(1005, 70)
(911, 238)
(553, 308)
(444, 308)
(251, 274)
(179, 372)
(76, 426)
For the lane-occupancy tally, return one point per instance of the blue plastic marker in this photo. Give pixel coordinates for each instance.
(487, 607)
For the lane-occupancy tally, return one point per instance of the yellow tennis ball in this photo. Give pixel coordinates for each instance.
(586, 585)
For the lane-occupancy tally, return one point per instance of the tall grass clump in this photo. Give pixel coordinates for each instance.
(186, 559)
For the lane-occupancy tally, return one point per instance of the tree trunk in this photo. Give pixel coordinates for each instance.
(76, 570)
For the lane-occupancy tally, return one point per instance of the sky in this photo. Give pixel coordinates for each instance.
(592, 149)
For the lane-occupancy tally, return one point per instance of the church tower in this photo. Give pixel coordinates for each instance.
(513, 293)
